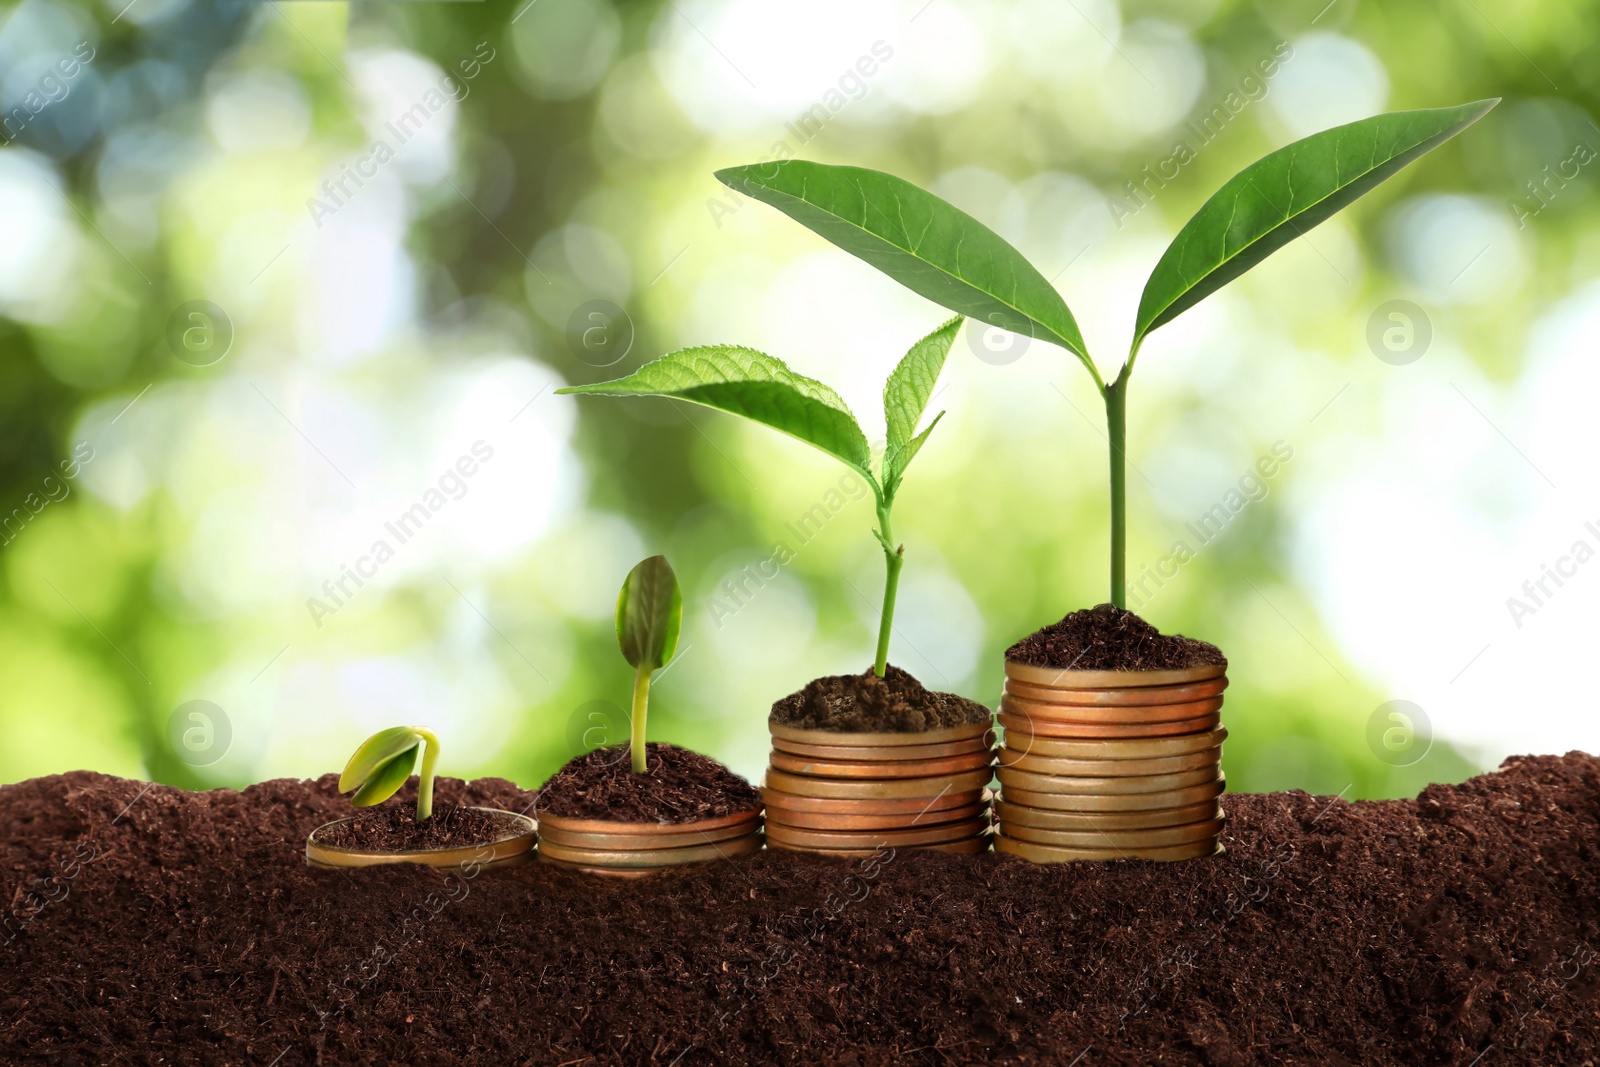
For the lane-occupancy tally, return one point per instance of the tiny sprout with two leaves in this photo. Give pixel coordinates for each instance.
(383, 763)
(649, 615)
(763, 389)
(946, 255)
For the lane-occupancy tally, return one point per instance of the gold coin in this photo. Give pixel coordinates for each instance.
(869, 839)
(1150, 694)
(1085, 731)
(806, 820)
(1160, 837)
(1057, 678)
(781, 804)
(609, 872)
(970, 847)
(880, 740)
(1108, 768)
(666, 839)
(562, 823)
(1114, 748)
(880, 770)
(1119, 716)
(1140, 783)
(884, 752)
(832, 788)
(1035, 853)
(1177, 798)
(1013, 815)
(646, 857)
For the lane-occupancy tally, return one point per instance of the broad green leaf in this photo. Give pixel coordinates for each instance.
(926, 244)
(1284, 194)
(376, 750)
(905, 398)
(755, 385)
(649, 614)
(387, 779)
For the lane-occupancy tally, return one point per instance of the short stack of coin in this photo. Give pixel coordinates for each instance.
(849, 794)
(605, 846)
(1104, 765)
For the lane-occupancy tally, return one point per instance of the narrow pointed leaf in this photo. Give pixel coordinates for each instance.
(926, 244)
(1284, 194)
(386, 779)
(755, 385)
(906, 394)
(649, 614)
(375, 751)
(896, 470)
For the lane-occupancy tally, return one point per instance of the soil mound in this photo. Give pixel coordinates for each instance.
(865, 703)
(1109, 638)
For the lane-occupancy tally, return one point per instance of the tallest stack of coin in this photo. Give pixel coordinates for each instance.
(848, 793)
(1103, 765)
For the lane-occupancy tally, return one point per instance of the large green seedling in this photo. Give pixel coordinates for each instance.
(951, 258)
(763, 388)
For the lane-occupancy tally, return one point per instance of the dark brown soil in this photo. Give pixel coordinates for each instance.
(679, 786)
(159, 926)
(864, 703)
(393, 826)
(1109, 638)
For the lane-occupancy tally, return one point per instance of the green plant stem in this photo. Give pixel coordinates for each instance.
(430, 760)
(894, 558)
(1117, 429)
(641, 697)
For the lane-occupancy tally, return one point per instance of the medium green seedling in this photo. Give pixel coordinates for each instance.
(383, 763)
(763, 389)
(946, 255)
(649, 616)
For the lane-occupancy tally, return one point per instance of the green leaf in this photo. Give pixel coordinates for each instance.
(755, 385)
(649, 614)
(921, 241)
(376, 750)
(386, 779)
(1284, 194)
(905, 398)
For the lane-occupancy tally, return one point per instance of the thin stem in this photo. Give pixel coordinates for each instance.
(1117, 430)
(894, 558)
(641, 697)
(430, 761)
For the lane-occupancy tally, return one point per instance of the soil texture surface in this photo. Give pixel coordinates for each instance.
(393, 827)
(1109, 638)
(865, 703)
(145, 924)
(679, 786)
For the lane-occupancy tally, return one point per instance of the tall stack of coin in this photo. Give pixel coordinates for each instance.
(1104, 765)
(847, 794)
(607, 846)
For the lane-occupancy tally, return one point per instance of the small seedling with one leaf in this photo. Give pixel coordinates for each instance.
(383, 763)
(649, 615)
(763, 389)
(951, 258)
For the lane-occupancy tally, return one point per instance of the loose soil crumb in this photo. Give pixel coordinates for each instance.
(865, 703)
(679, 786)
(393, 826)
(1109, 638)
(153, 925)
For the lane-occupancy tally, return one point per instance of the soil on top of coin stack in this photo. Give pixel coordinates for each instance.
(678, 786)
(393, 827)
(865, 703)
(1109, 638)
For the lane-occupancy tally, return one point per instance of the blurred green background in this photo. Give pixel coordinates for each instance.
(273, 275)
